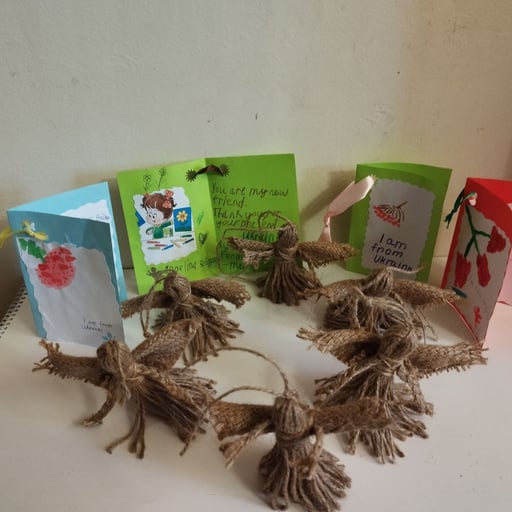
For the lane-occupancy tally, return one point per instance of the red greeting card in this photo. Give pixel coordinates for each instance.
(478, 268)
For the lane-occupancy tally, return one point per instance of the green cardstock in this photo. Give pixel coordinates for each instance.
(177, 214)
(396, 224)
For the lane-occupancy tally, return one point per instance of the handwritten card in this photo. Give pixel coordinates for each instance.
(478, 267)
(177, 214)
(396, 224)
(69, 257)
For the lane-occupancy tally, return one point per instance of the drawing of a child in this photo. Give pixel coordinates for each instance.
(159, 209)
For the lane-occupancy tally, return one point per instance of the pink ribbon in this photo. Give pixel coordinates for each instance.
(353, 193)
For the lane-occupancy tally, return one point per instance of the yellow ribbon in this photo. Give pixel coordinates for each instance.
(28, 228)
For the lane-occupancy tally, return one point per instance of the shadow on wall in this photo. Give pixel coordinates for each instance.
(10, 275)
(122, 236)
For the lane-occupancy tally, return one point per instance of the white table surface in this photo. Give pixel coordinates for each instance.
(49, 462)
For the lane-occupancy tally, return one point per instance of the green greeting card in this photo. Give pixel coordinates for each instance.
(396, 224)
(177, 214)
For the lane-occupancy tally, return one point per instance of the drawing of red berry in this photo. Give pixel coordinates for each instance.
(57, 269)
(483, 269)
(390, 213)
(496, 242)
(462, 270)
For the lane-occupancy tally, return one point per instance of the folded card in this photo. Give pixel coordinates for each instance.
(177, 214)
(69, 257)
(478, 267)
(396, 224)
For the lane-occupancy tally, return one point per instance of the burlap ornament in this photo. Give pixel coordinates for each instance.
(145, 377)
(297, 469)
(371, 302)
(387, 367)
(184, 299)
(292, 263)
(373, 314)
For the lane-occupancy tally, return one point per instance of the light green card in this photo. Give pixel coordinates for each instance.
(177, 214)
(396, 224)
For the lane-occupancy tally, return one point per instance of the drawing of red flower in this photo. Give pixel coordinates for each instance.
(482, 266)
(462, 270)
(496, 242)
(477, 315)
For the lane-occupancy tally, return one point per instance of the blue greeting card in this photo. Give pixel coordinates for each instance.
(70, 260)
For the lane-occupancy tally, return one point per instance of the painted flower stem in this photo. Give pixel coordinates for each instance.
(474, 233)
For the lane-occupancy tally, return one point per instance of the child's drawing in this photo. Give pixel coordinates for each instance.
(165, 225)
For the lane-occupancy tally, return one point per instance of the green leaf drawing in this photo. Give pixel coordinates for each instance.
(32, 248)
(161, 173)
(147, 181)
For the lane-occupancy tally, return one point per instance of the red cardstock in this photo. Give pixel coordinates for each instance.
(478, 268)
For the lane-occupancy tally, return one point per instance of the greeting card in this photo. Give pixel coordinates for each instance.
(396, 224)
(478, 267)
(177, 214)
(69, 257)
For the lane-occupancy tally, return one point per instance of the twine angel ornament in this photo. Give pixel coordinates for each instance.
(184, 299)
(388, 367)
(296, 469)
(377, 301)
(288, 277)
(145, 377)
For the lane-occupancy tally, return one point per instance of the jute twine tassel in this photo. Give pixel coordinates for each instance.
(296, 469)
(145, 377)
(183, 299)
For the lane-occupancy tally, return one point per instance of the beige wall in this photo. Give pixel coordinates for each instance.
(91, 88)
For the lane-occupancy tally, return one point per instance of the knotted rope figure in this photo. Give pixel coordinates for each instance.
(145, 377)
(386, 366)
(376, 302)
(297, 468)
(183, 299)
(292, 263)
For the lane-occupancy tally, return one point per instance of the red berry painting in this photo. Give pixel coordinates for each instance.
(394, 215)
(477, 264)
(496, 241)
(482, 266)
(462, 270)
(57, 268)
